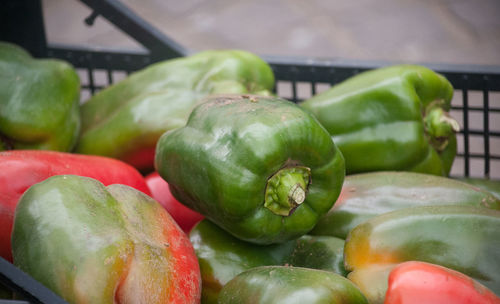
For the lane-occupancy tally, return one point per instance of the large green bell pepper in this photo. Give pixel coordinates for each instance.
(39, 102)
(463, 238)
(259, 167)
(392, 118)
(95, 244)
(289, 285)
(125, 120)
(366, 195)
(222, 256)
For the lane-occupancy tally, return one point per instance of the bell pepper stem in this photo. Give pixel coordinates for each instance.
(439, 125)
(286, 190)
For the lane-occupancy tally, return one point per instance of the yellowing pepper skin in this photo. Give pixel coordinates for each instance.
(95, 244)
(126, 119)
(392, 118)
(462, 238)
(260, 167)
(39, 102)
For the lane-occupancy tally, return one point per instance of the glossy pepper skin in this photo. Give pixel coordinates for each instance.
(290, 285)
(20, 169)
(95, 244)
(222, 256)
(462, 238)
(259, 167)
(418, 282)
(366, 195)
(125, 120)
(183, 216)
(490, 185)
(392, 118)
(39, 102)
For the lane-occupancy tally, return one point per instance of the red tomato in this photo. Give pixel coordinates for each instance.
(185, 217)
(419, 282)
(20, 169)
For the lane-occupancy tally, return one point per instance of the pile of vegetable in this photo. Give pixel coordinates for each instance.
(190, 181)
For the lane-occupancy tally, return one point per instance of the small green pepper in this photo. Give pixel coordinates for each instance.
(260, 167)
(393, 118)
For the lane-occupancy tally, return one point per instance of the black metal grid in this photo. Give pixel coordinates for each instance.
(476, 103)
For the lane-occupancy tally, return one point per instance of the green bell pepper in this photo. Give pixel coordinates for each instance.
(392, 118)
(463, 238)
(95, 244)
(366, 195)
(222, 256)
(39, 102)
(290, 285)
(125, 120)
(259, 167)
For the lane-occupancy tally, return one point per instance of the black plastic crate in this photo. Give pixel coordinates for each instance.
(476, 104)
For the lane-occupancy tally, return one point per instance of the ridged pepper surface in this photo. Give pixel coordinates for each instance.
(39, 102)
(289, 285)
(20, 169)
(366, 195)
(126, 119)
(259, 167)
(462, 238)
(95, 244)
(392, 118)
(222, 256)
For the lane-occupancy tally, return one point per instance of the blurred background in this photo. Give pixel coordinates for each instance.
(421, 31)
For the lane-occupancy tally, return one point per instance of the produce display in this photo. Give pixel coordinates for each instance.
(398, 113)
(189, 181)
